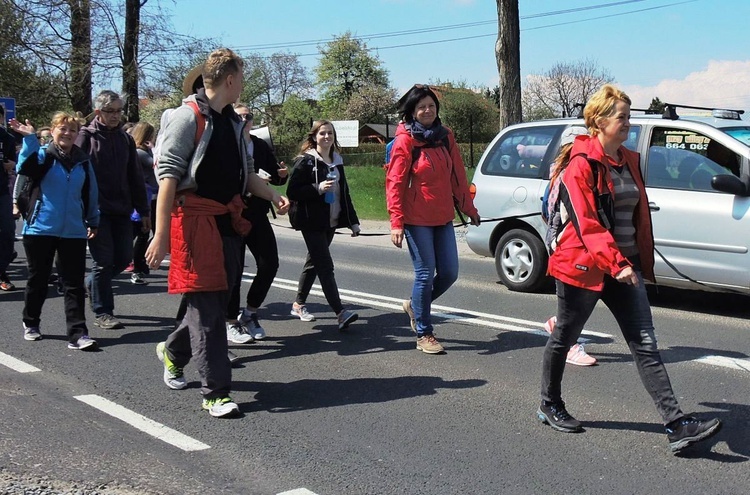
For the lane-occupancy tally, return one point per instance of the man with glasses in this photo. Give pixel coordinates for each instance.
(121, 189)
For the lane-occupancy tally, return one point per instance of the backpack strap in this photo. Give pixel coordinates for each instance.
(200, 121)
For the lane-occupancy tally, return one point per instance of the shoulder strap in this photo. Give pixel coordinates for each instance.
(200, 121)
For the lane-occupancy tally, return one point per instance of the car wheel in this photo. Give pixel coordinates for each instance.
(521, 261)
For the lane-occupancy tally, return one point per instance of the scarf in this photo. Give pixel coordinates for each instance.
(429, 135)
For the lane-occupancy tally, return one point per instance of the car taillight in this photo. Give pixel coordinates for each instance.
(473, 190)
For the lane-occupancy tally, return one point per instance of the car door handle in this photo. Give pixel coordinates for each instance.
(652, 206)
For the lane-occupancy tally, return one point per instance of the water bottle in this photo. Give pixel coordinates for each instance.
(330, 197)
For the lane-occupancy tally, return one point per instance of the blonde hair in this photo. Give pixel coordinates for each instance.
(65, 118)
(602, 104)
(142, 132)
(219, 64)
(310, 144)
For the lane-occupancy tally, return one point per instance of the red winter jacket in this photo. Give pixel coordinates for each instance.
(586, 251)
(196, 262)
(422, 193)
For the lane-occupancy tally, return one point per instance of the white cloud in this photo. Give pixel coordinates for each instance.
(723, 84)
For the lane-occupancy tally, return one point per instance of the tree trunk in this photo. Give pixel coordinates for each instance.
(80, 56)
(130, 59)
(508, 56)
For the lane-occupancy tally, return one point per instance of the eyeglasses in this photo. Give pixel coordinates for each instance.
(111, 110)
(245, 117)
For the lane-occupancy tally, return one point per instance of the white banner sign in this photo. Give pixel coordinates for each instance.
(347, 132)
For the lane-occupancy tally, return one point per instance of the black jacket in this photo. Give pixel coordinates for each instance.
(309, 210)
(264, 158)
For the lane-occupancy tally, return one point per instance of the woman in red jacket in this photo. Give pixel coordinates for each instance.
(425, 176)
(604, 251)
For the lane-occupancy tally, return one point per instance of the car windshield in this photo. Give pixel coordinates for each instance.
(741, 134)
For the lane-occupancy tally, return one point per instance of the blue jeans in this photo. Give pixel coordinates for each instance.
(434, 255)
(112, 252)
(630, 307)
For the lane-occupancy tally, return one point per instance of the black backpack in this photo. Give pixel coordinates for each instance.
(32, 190)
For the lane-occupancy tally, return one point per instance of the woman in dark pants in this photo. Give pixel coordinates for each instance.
(321, 204)
(261, 240)
(143, 134)
(60, 220)
(605, 250)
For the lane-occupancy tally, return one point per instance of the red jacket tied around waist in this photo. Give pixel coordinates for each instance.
(196, 251)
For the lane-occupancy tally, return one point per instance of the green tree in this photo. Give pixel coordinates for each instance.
(656, 106)
(269, 81)
(471, 116)
(346, 67)
(291, 125)
(371, 105)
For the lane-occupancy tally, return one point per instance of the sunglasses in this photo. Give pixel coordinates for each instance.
(246, 117)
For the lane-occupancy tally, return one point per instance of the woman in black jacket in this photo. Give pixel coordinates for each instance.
(320, 204)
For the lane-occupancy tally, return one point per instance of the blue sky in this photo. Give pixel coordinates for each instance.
(687, 51)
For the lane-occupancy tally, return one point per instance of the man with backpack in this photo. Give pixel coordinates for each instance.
(200, 192)
(121, 189)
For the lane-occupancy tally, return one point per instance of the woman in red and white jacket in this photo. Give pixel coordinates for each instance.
(604, 252)
(425, 176)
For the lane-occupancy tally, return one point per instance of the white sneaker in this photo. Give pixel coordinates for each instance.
(249, 319)
(173, 376)
(301, 313)
(220, 408)
(236, 334)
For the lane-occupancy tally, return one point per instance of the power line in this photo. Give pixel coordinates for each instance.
(463, 38)
(448, 27)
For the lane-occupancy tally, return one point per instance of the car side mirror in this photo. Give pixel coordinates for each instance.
(729, 183)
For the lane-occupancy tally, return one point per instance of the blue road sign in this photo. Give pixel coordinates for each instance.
(10, 107)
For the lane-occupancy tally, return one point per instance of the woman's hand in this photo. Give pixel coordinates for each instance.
(24, 129)
(16, 212)
(397, 237)
(282, 204)
(283, 171)
(627, 276)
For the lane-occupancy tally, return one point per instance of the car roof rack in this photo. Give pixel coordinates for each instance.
(670, 111)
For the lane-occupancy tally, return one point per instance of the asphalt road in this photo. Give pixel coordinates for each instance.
(363, 412)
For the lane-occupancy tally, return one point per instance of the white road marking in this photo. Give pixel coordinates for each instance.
(459, 315)
(725, 362)
(16, 364)
(298, 491)
(144, 424)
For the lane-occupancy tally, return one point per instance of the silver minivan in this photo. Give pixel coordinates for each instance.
(697, 172)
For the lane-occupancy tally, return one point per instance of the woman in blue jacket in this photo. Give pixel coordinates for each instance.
(62, 214)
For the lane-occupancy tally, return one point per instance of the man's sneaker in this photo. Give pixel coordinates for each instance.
(236, 334)
(558, 417)
(412, 320)
(577, 355)
(173, 376)
(346, 318)
(301, 313)
(220, 408)
(108, 322)
(429, 344)
(137, 278)
(31, 333)
(688, 430)
(249, 320)
(83, 342)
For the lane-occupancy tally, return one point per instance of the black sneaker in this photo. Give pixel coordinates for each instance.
(558, 418)
(688, 430)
